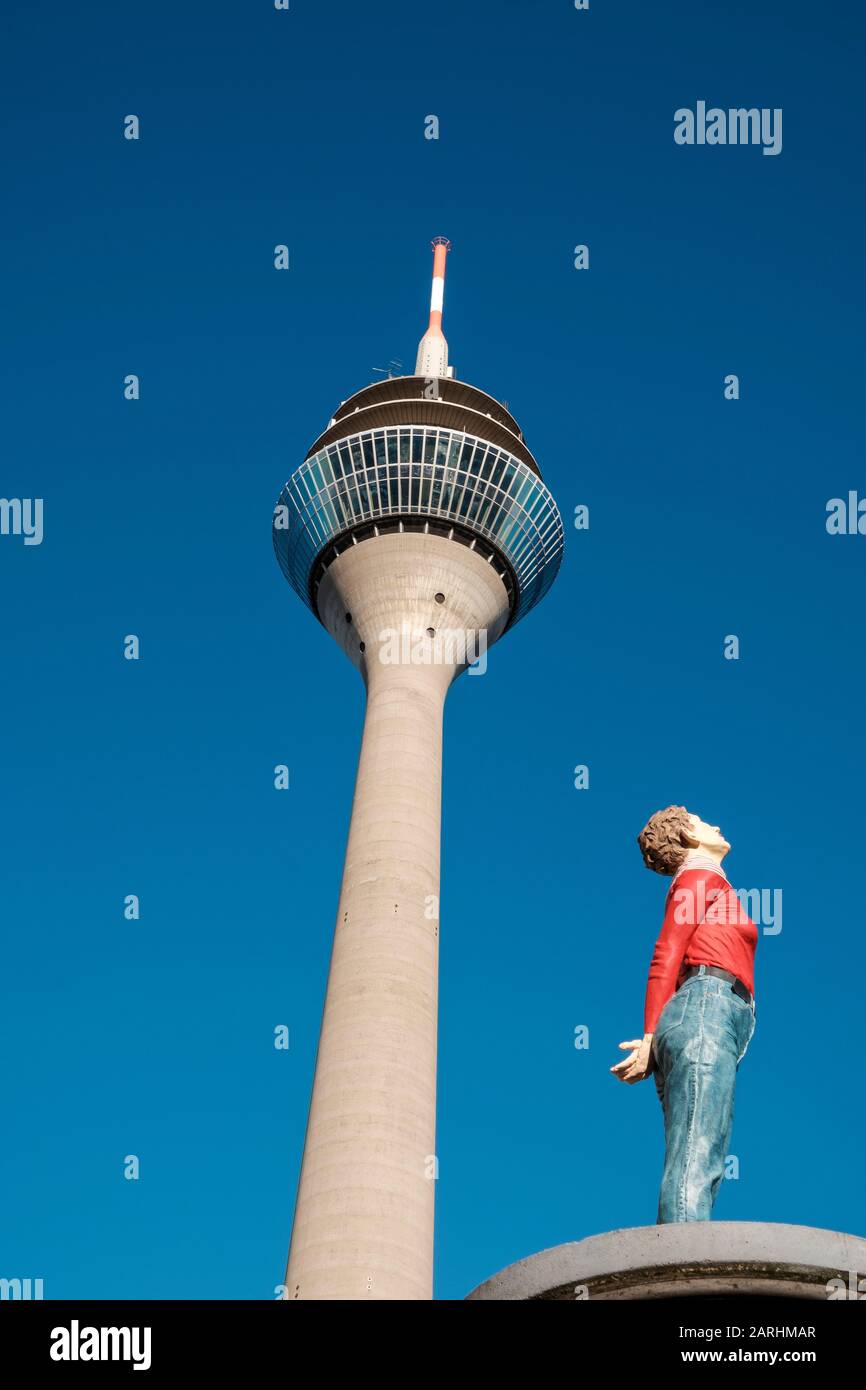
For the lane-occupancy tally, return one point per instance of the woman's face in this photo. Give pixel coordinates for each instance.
(708, 836)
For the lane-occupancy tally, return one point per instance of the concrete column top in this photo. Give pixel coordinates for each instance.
(690, 1259)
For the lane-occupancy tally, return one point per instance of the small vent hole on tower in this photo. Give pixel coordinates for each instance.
(431, 632)
(362, 646)
(440, 598)
(345, 916)
(348, 617)
(395, 909)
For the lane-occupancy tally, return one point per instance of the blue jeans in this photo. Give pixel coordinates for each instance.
(700, 1040)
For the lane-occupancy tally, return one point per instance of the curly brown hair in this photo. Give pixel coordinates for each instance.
(665, 839)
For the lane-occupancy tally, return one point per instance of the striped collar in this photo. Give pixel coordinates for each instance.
(700, 861)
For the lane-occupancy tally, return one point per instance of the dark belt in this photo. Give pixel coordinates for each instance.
(736, 984)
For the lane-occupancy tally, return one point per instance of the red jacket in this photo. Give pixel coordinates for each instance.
(704, 924)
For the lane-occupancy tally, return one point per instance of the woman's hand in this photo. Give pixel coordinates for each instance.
(638, 1063)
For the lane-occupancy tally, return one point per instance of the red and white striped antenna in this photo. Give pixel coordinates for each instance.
(433, 349)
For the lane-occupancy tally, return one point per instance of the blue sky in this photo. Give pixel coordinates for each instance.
(155, 777)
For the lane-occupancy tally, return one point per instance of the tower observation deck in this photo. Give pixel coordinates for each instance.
(417, 530)
(398, 458)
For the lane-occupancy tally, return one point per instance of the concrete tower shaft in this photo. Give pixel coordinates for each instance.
(364, 1215)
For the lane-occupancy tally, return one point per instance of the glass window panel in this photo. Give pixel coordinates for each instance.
(498, 468)
(303, 486)
(367, 490)
(465, 500)
(461, 488)
(538, 506)
(507, 528)
(426, 483)
(524, 491)
(447, 493)
(371, 493)
(352, 503)
(490, 517)
(476, 502)
(488, 505)
(340, 513)
(483, 461)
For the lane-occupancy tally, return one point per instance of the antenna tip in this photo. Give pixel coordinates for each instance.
(441, 241)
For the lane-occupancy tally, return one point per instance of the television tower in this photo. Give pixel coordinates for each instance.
(418, 530)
